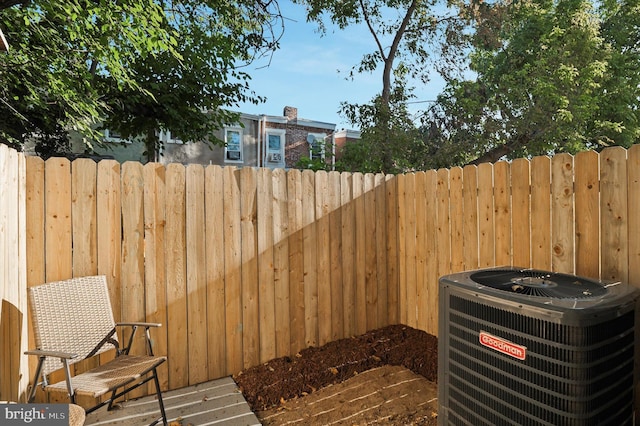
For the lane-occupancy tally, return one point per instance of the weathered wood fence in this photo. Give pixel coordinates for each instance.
(244, 265)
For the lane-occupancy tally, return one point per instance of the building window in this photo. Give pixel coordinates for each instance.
(166, 137)
(114, 137)
(233, 145)
(274, 152)
(317, 145)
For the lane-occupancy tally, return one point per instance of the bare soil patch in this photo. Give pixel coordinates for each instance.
(386, 376)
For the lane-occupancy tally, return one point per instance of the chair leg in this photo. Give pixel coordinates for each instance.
(70, 390)
(112, 400)
(159, 394)
(32, 391)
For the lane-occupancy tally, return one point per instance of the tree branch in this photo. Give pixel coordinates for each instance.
(496, 153)
(367, 19)
(388, 63)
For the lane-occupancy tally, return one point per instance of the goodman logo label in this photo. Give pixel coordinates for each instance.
(504, 346)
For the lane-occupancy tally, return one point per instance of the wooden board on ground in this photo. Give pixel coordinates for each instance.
(216, 402)
(391, 395)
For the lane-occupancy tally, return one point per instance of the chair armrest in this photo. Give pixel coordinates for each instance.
(139, 324)
(42, 354)
(134, 327)
(56, 354)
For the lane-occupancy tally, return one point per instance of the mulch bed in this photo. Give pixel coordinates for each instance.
(266, 386)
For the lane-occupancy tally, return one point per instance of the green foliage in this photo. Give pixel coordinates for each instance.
(547, 77)
(618, 114)
(49, 80)
(550, 77)
(389, 140)
(319, 159)
(134, 67)
(406, 34)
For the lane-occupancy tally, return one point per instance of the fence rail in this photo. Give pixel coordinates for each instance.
(244, 265)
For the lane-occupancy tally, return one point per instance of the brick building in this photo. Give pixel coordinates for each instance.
(257, 141)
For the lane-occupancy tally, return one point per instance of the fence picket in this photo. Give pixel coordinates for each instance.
(587, 214)
(391, 247)
(520, 219)
(266, 289)
(232, 269)
(323, 257)
(310, 253)
(296, 261)
(562, 232)
(83, 213)
(347, 235)
(214, 228)
(281, 227)
(58, 255)
(110, 230)
(132, 294)
(380, 250)
(456, 210)
(421, 239)
(84, 224)
(196, 285)
(486, 220)
(154, 262)
(614, 214)
(502, 206)
(370, 257)
(335, 252)
(470, 217)
(443, 217)
(58, 243)
(360, 247)
(430, 284)
(109, 217)
(249, 268)
(633, 192)
(402, 248)
(540, 212)
(175, 253)
(8, 293)
(34, 229)
(411, 212)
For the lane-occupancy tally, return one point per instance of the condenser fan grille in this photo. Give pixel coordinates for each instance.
(539, 283)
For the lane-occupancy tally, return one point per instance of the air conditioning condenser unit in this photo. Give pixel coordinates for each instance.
(530, 347)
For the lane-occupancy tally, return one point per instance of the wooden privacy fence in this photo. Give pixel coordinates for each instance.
(244, 265)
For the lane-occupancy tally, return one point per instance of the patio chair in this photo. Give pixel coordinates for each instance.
(72, 321)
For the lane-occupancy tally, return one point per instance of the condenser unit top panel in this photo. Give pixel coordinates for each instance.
(539, 283)
(543, 289)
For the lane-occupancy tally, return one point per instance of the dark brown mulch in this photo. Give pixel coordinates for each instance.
(266, 385)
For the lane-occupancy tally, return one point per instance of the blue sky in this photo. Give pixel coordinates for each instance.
(309, 71)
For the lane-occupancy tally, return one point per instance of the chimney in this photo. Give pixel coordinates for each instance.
(291, 113)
